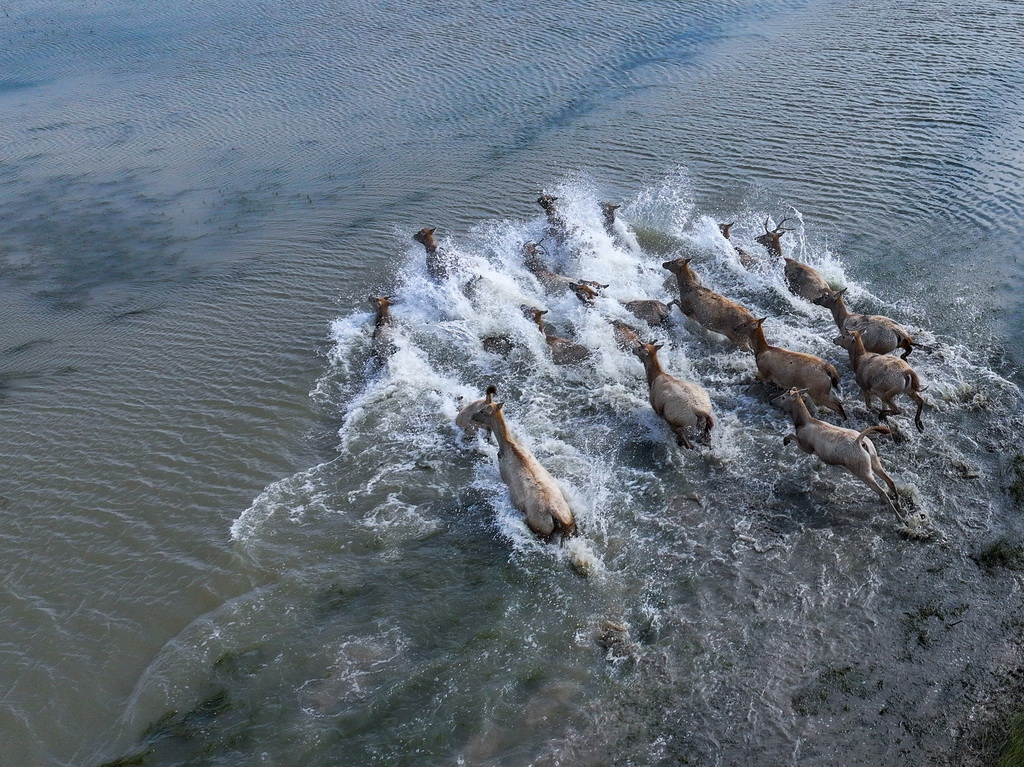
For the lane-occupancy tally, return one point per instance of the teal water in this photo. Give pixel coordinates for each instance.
(213, 506)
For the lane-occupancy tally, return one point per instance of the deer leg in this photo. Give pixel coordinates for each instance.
(876, 466)
(836, 404)
(893, 408)
(907, 347)
(682, 441)
(920, 406)
(869, 480)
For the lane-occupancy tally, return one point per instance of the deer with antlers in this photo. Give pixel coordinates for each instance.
(803, 280)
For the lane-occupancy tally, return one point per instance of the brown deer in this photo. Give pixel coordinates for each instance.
(879, 334)
(608, 216)
(383, 342)
(684, 405)
(464, 420)
(532, 489)
(882, 376)
(837, 446)
(803, 280)
(706, 307)
(563, 351)
(788, 369)
(439, 263)
(649, 310)
(552, 281)
(747, 259)
(558, 227)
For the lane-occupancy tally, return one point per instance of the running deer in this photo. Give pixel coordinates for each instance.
(608, 210)
(552, 281)
(532, 489)
(837, 446)
(788, 369)
(464, 420)
(563, 351)
(649, 310)
(879, 334)
(439, 263)
(803, 280)
(747, 259)
(383, 330)
(558, 227)
(684, 405)
(882, 376)
(706, 307)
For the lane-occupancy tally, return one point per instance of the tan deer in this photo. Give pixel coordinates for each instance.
(788, 369)
(684, 405)
(706, 307)
(882, 376)
(879, 334)
(803, 280)
(532, 489)
(837, 446)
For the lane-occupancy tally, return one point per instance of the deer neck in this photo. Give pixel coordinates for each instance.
(653, 368)
(857, 351)
(801, 415)
(759, 342)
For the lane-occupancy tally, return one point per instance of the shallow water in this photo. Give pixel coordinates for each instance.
(215, 504)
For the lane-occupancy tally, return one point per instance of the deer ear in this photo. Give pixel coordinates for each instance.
(761, 320)
(657, 347)
(498, 406)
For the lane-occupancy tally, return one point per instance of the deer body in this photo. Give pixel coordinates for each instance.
(383, 343)
(563, 351)
(650, 311)
(837, 446)
(532, 489)
(882, 376)
(706, 307)
(879, 334)
(438, 262)
(684, 405)
(552, 281)
(789, 369)
(803, 280)
(747, 259)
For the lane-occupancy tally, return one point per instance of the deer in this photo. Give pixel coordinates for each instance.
(608, 210)
(464, 419)
(558, 227)
(532, 490)
(882, 376)
(652, 312)
(788, 369)
(563, 351)
(747, 259)
(803, 280)
(706, 307)
(837, 446)
(553, 282)
(684, 405)
(439, 263)
(383, 343)
(879, 334)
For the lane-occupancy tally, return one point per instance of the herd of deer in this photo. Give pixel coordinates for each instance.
(684, 405)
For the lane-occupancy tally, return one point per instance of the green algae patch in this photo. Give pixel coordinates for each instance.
(1012, 754)
(1001, 553)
